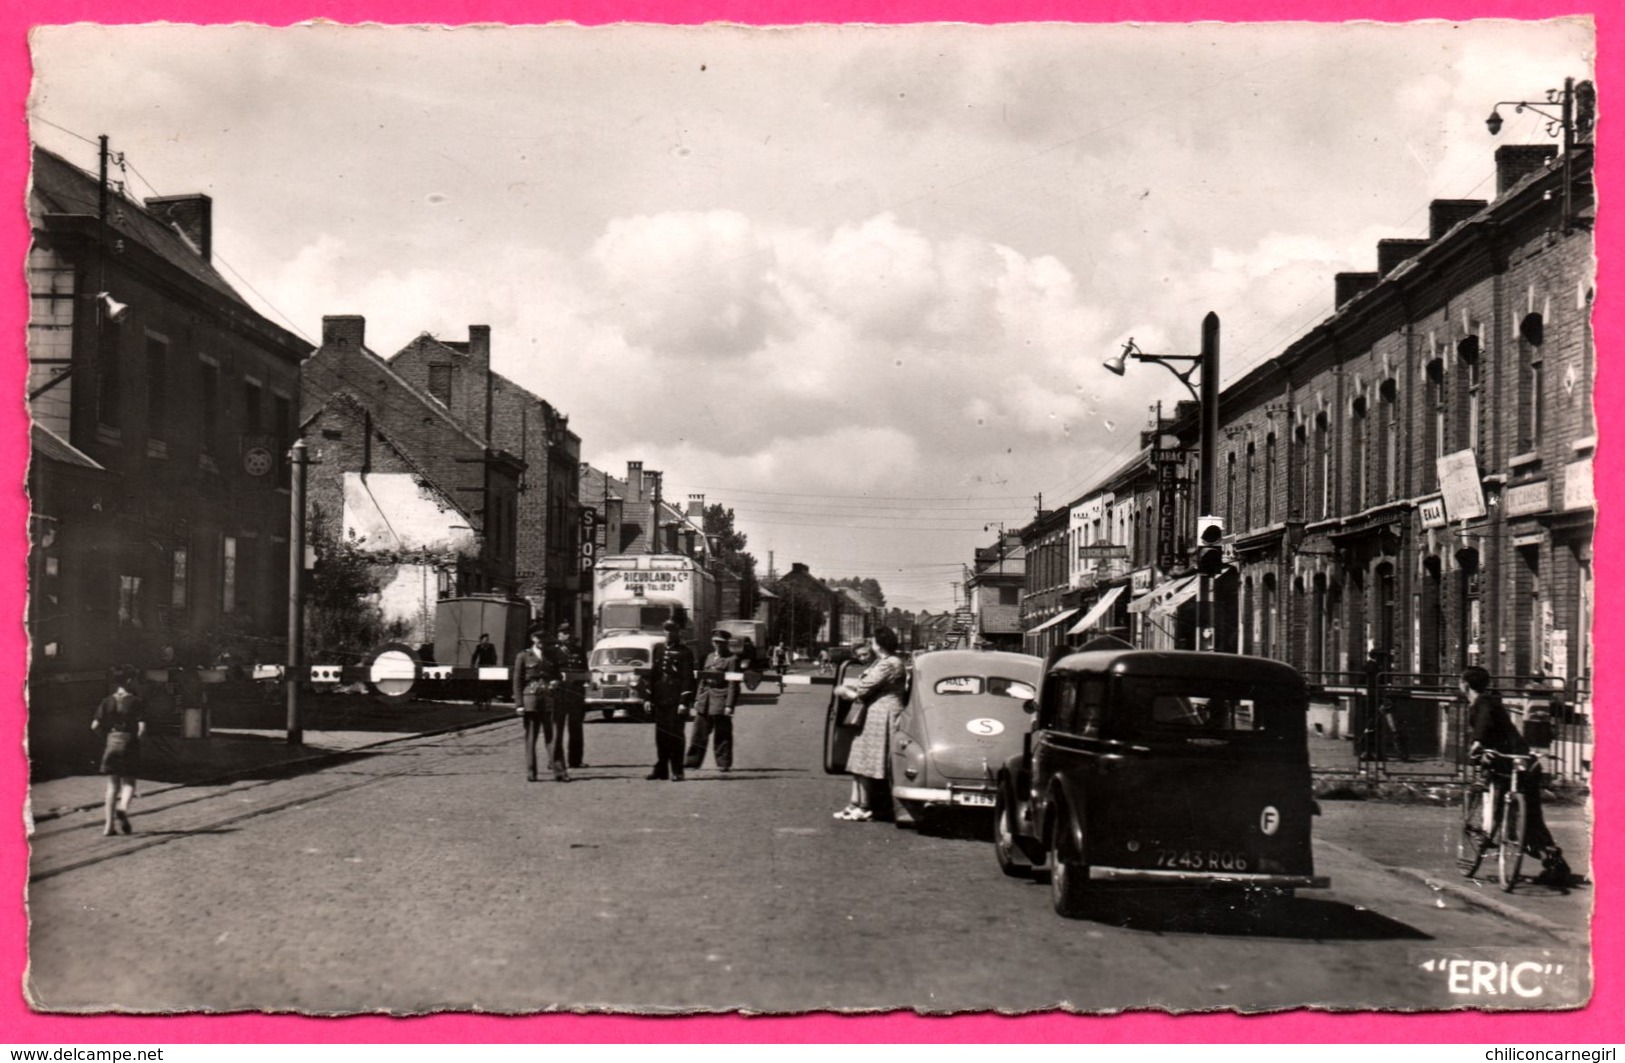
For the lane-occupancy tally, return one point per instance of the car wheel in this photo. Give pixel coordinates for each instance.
(1011, 862)
(1069, 891)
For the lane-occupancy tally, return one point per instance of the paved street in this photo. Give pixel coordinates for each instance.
(430, 875)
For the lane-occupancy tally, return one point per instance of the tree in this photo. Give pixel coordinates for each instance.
(864, 585)
(342, 616)
(718, 523)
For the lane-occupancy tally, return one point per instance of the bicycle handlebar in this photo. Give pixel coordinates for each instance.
(1521, 760)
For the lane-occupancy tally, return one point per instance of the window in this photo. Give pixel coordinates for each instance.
(1247, 487)
(1323, 467)
(209, 406)
(129, 601)
(50, 339)
(1435, 437)
(1230, 490)
(1531, 334)
(1269, 479)
(1357, 456)
(1009, 595)
(440, 384)
(109, 386)
(1388, 433)
(228, 574)
(1467, 352)
(157, 388)
(282, 425)
(253, 401)
(177, 579)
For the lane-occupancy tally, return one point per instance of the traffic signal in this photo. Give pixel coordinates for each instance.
(1209, 545)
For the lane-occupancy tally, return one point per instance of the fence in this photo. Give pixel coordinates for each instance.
(1398, 725)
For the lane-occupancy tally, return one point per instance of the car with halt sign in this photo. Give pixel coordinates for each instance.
(964, 715)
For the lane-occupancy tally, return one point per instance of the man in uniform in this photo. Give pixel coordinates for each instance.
(671, 692)
(572, 695)
(535, 682)
(714, 705)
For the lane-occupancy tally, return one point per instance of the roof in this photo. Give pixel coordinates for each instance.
(59, 187)
(1178, 664)
(52, 447)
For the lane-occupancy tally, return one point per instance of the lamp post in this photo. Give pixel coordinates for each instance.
(1206, 394)
(1574, 116)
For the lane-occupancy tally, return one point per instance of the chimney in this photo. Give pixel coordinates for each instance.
(1446, 214)
(1390, 253)
(1352, 285)
(193, 215)
(346, 331)
(479, 347)
(1514, 162)
(688, 542)
(651, 486)
(634, 480)
(799, 569)
(696, 508)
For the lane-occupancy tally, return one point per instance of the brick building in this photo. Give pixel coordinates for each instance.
(507, 417)
(1413, 474)
(435, 508)
(162, 405)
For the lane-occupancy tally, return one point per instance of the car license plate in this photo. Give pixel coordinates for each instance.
(1201, 860)
(972, 797)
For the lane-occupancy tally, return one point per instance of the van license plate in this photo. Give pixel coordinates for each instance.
(980, 800)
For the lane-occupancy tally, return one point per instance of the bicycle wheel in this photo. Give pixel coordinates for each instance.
(1514, 820)
(1470, 844)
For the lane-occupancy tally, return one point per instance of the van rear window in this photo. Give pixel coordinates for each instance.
(620, 657)
(996, 685)
(1215, 708)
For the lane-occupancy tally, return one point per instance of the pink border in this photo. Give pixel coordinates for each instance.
(1594, 1024)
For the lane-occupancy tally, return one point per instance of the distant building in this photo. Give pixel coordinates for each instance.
(993, 589)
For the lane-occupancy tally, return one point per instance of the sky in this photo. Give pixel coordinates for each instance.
(854, 282)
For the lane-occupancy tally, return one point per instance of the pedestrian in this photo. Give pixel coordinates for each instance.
(535, 679)
(671, 694)
(121, 719)
(714, 705)
(572, 694)
(484, 656)
(1490, 727)
(879, 690)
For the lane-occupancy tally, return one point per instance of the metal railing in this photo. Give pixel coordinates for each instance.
(1414, 726)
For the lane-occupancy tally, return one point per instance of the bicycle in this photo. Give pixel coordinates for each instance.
(1484, 826)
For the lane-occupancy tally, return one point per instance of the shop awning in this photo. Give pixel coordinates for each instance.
(1185, 593)
(1092, 617)
(1052, 621)
(1154, 598)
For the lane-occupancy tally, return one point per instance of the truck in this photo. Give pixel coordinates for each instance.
(633, 597)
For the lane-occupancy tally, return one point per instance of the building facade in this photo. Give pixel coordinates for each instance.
(506, 417)
(163, 405)
(434, 509)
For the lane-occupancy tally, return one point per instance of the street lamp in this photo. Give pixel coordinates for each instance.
(1575, 116)
(1207, 399)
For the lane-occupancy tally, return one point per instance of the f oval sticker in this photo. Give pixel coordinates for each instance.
(1269, 821)
(984, 726)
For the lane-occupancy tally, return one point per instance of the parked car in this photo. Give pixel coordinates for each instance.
(1160, 767)
(963, 717)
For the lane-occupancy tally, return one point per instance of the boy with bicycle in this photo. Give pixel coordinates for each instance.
(1494, 739)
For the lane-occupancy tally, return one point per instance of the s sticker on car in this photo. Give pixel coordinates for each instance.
(984, 726)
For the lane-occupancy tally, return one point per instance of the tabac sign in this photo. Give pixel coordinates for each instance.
(1460, 487)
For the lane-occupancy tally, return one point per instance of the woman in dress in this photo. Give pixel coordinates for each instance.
(880, 690)
(121, 719)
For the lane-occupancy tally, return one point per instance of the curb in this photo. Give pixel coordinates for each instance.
(314, 758)
(1479, 899)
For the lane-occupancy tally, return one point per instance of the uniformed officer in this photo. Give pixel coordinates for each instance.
(714, 704)
(671, 693)
(535, 680)
(572, 696)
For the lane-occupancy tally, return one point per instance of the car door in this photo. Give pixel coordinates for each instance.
(838, 736)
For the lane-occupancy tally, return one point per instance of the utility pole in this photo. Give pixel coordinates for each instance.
(296, 591)
(1207, 625)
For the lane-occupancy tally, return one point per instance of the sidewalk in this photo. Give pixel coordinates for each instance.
(253, 745)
